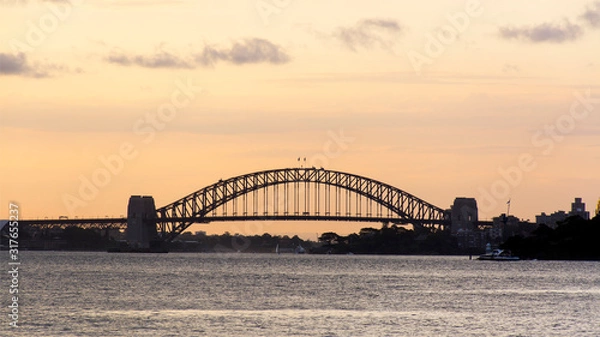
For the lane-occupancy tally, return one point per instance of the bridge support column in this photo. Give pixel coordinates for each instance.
(141, 223)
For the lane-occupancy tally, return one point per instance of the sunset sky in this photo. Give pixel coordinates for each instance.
(495, 100)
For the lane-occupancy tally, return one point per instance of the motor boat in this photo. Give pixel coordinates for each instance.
(497, 255)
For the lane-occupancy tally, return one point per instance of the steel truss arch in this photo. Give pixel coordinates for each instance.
(196, 207)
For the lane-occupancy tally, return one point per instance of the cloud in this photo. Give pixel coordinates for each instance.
(18, 65)
(369, 33)
(545, 32)
(592, 15)
(247, 51)
(104, 2)
(13, 64)
(25, 2)
(9, 3)
(510, 68)
(160, 59)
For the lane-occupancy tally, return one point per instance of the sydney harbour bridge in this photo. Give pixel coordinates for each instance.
(291, 194)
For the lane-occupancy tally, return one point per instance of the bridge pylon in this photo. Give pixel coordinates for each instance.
(141, 223)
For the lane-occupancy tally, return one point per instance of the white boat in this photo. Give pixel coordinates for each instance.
(497, 255)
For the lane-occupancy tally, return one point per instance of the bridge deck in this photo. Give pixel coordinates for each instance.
(118, 222)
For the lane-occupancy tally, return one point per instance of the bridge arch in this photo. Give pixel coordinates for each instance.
(198, 206)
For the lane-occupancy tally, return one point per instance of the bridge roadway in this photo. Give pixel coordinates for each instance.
(98, 223)
(121, 223)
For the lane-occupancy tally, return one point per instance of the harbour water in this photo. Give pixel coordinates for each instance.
(102, 294)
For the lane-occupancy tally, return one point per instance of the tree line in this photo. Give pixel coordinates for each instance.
(573, 239)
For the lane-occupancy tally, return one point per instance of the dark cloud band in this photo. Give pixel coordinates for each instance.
(545, 32)
(19, 65)
(248, 51)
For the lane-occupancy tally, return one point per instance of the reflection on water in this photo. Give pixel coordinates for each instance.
(92, 294)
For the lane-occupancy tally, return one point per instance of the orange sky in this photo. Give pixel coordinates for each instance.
(440, 101)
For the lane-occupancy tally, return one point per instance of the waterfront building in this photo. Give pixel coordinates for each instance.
(552, 220)
(578, 208)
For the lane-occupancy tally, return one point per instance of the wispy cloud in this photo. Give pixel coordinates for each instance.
(248, 51)
(592, 15)
(13, 64)
(26, 2)
(370, 33)
(160, 59)
(142, 3)
(120, 3)
(9, 3)
(18, 65)
(510, 68)
(545, 32)
(244, 52)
